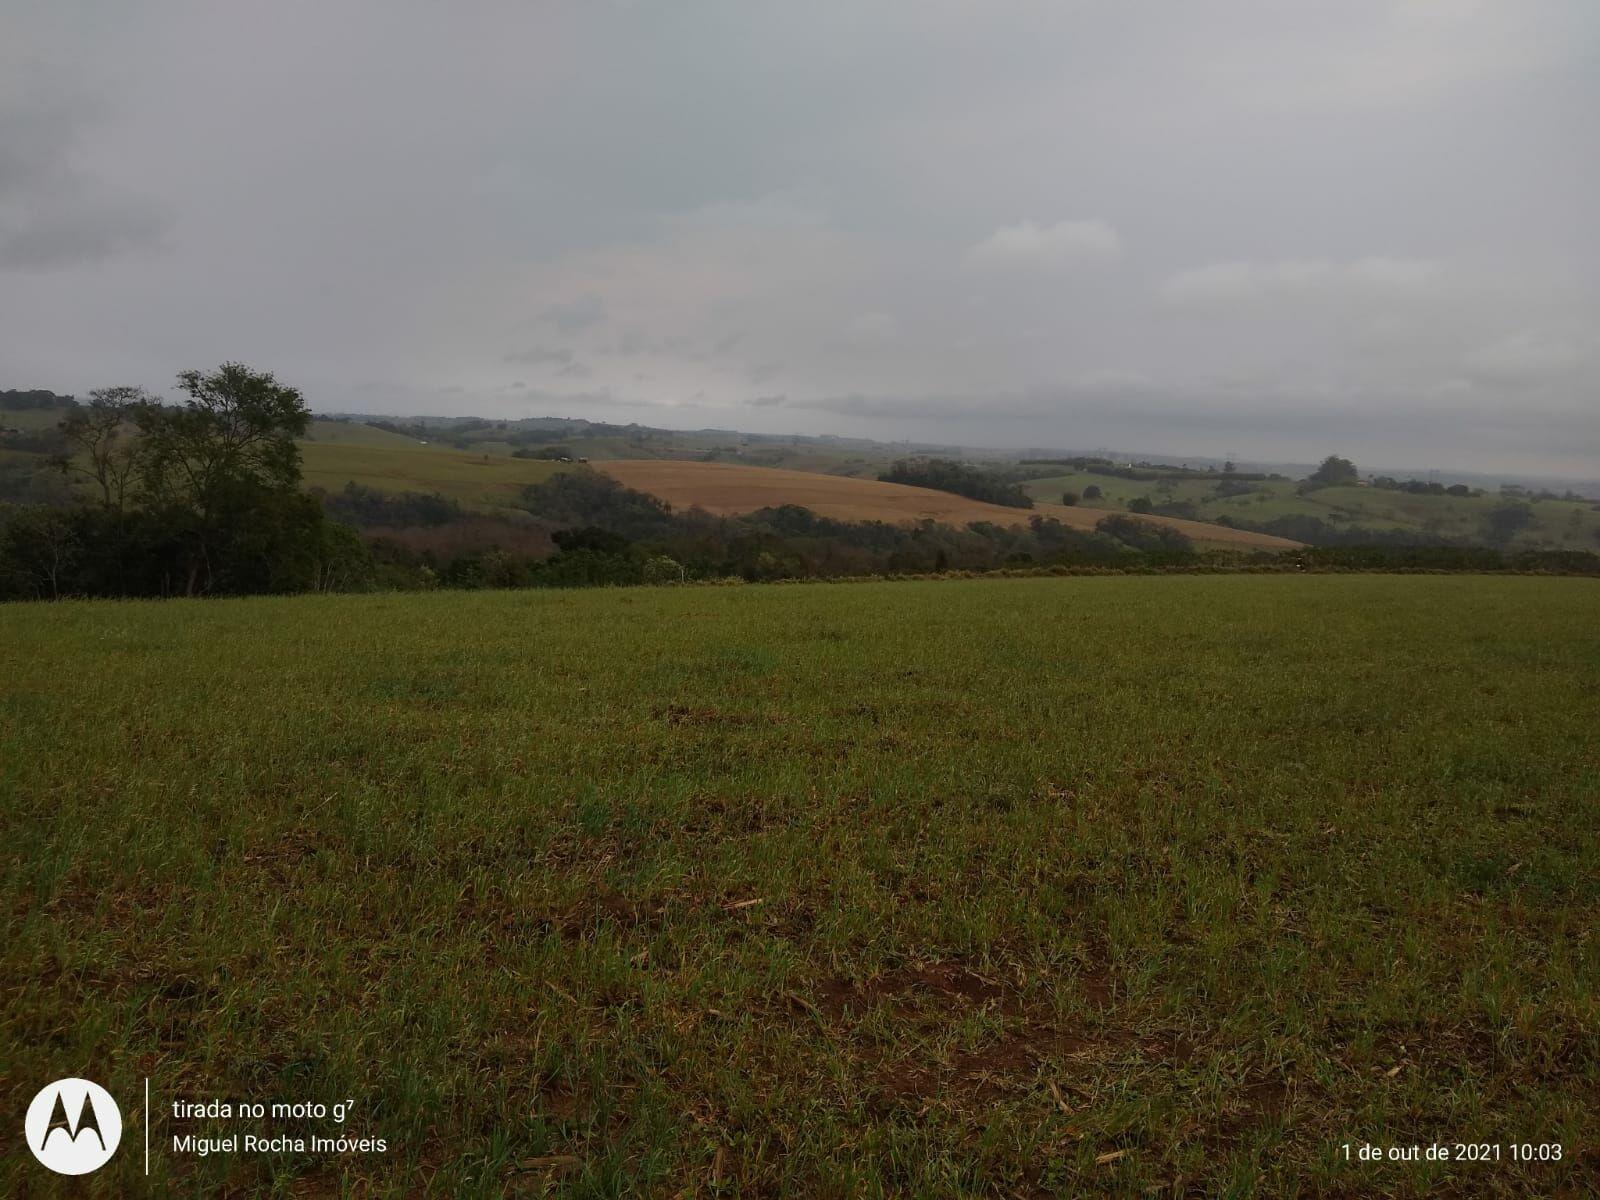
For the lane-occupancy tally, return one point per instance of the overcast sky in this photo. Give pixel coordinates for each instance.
(1274, 228)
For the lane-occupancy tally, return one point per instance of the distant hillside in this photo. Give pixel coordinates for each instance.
(723, 489)
(1353, 512)
(475, 479)
(484, 464)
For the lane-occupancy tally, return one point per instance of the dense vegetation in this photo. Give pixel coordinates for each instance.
(961, 479)
(362, 506)
(32, 400)
(1139, 471)
(195, 499)
(648, 542)
(1189, 882)
(532, 439)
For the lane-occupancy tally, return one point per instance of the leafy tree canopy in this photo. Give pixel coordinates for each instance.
(1335, 471)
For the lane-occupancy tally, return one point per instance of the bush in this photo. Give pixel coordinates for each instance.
(1182, 509)
(590, 537)
(1334, 472)
(663, 570)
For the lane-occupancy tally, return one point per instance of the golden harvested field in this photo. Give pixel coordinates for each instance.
(727, 488)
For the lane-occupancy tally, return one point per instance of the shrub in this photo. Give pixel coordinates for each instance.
(663, 570)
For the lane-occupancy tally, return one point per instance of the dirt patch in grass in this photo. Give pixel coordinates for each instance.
(705, 715)
(1009, 1064)
(933, 998)
(910, 987)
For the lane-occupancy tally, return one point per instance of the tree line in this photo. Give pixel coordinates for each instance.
(948, 475)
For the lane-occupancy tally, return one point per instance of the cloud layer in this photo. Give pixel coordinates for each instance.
(1029, 247)
(1272, 230)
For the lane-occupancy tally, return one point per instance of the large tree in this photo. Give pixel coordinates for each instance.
(1335, 471)
(238, 428)
(104, 443)
(221, 461)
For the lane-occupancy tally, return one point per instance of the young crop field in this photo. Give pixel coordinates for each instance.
(476, 479)
(1117, 885)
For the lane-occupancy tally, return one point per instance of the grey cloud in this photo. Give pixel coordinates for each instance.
(872, 329)
(1227, 283)
(1030, 247)
(69, 231)
(635, 341)
(537, 355)
(574, 316)
(54, 213)
(777, 401)
(1525, 357)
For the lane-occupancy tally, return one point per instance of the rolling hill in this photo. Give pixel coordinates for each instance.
(725, 489)
(1554, 524)
(481, 481)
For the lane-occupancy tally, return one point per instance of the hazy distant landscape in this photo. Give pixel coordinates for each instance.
(469, 503)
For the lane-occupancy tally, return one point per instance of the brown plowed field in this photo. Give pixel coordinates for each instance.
(727, 488)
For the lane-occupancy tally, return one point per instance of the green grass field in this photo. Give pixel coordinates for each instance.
(31, 419)
(1130, 885)
(1557, 524)
(477, 480)
(355, 433)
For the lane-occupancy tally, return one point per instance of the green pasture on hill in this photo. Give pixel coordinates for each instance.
(476, 479)
(355, 433)
(32, 420)
(1123, 885)
(1557, 524)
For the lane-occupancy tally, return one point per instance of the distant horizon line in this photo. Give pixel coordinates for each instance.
(1411, 471)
